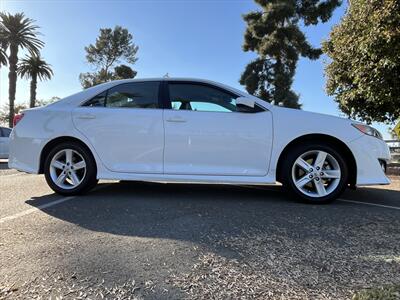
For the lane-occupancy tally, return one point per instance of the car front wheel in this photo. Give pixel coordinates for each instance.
(70, 169)
(315, 172)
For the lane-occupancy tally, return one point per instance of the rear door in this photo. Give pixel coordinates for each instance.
(125, 127)
(207, 134)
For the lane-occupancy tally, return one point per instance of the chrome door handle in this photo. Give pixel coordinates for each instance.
(87, 116)
(176, 120)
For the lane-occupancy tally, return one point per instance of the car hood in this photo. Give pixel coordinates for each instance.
(308, 115)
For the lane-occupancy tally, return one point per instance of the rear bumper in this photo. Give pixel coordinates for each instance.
(25, 153)
(369, 152)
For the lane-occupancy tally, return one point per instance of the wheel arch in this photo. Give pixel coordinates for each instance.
(328, 139)
(56, 141)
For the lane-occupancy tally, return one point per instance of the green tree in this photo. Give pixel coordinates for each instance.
(274, 34)
(34, 67)
(92, 79)
(112, 46)
(43, 102)
(17, 31)
(5, 112)
(124, 72)
(364, 72)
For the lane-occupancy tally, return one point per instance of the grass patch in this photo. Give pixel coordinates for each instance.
(381, 293)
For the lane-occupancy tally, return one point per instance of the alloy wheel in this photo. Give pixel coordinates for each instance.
(67, 169)
(316, 173)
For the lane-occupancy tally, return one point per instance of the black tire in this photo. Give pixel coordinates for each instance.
(297, 151)
(89, 180)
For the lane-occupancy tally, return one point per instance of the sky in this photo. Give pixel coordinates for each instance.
(184, 38)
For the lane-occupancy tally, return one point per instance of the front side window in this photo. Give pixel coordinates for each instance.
(198, 97)
(128, 95)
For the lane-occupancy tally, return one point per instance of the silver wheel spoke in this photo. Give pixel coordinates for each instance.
(324, 173)
(319, 186)
(74, 178)
(303, 164)
(68, 156)
(61, 178)
(320, 160)
(330, 174)
(58, 165)
(79, 165)
(303, 181)
(67, 175)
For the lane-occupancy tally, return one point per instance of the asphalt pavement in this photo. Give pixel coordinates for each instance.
(135, 240)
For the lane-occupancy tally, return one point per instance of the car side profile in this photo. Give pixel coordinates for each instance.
(190, 130)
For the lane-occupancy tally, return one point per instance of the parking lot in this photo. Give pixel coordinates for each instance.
(156, 241)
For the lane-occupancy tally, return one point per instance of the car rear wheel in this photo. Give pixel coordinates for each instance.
(315, 172)
(70, 169)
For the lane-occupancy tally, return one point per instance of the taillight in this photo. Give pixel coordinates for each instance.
(17, 118)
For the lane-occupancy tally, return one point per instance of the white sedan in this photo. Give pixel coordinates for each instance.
(189, 130)
(4, 141)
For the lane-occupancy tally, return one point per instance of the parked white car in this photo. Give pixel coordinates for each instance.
(188, 130)
(4, 141)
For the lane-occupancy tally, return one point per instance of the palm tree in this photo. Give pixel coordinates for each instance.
(17, 31)
(34, 67)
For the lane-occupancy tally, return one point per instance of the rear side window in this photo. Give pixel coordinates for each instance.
(5, 132)
(99, 100)
(128, 95)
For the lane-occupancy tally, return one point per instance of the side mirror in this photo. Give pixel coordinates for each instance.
(245, 101)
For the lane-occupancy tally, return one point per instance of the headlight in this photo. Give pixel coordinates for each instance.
(368, 130)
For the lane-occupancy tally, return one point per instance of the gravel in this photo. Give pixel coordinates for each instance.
(70, 287)
(275, 264)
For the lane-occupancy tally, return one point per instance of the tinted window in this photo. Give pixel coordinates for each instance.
(130, 95)
(198, 97)
(98, 100)
(133, 95)
(5, 132)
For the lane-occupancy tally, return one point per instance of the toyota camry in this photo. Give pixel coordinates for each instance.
(190, 130)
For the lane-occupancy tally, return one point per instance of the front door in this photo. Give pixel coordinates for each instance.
(207, 134)
(125, 127)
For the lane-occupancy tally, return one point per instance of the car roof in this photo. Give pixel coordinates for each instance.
(180, 79)
(188, 79)
(92, 91)
(164, 79)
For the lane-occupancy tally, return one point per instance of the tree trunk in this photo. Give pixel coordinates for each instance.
(33, 91)
(278, 91)
(12, 81)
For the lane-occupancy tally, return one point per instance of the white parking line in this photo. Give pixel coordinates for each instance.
(343, 200)
(40, 207)
(34, 209)
(369, 203)
(59, 201)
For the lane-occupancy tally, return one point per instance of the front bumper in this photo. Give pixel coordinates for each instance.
(369, 153)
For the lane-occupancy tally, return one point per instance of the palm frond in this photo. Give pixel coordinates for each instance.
(20, 31)
(34, 65)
